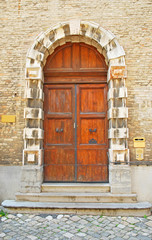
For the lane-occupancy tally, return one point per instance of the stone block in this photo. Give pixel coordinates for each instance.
(35, 54)
(121, 112)
(31, 179)
(33, 144)
(118, 133)
(120, 61)
(113, 154)
(117, 93)
(33, 113)
(74, 26)
(59, 33)
(33, 133)
(115, 52)
(118, 144)
(120, 179)
(38, 157)
(34, 73)
(31, 93)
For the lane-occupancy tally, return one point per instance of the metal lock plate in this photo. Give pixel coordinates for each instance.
(139, 154)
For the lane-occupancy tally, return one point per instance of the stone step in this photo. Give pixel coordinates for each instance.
(109, 209)
(76, 187)
(78, 197)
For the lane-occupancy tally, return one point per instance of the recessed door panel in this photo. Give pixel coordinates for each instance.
(60, 100)
(59, 131)
(92, 130)
(92, 100)
(59, 164)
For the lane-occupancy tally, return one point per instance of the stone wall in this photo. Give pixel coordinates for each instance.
(22, 21)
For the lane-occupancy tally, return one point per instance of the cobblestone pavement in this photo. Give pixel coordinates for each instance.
(76, 227)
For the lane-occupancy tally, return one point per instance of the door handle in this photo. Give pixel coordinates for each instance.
(59, 130)
(92, 130)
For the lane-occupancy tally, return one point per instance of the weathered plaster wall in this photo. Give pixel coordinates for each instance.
(141, 182)
(22, 21)
(9, 181)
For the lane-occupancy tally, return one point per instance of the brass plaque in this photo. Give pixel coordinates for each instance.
(8, 118)
(139, 154)
(139, 142)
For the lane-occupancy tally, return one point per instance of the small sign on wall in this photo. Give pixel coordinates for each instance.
(8, 118)
(139, 154)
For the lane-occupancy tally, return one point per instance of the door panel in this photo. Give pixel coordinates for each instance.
(59, 131)
(91, 100)
(92, 173)
(92, 162)
(59, 164)
(60, 100)
(92, 128)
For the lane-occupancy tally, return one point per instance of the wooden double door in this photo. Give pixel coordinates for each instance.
(75, 133)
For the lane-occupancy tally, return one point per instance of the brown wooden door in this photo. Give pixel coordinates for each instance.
(75, 126)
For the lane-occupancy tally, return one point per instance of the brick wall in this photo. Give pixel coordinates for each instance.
(22, 21)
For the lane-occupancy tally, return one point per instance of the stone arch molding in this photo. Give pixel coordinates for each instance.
(44, 45)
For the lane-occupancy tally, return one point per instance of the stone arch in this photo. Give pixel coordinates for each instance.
(44, 45)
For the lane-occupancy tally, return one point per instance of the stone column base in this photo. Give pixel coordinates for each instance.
(31, 179)
(120, 179)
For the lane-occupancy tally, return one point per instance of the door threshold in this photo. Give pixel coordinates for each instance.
(73, 184)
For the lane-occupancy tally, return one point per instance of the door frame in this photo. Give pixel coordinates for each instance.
(106, 44)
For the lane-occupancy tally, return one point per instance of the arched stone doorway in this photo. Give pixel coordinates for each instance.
(106, 44)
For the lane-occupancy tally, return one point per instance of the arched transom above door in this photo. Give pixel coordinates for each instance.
(107, 45)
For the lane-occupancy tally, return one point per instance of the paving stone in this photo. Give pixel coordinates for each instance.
(75, 218)
(2, 235)
(19, 215)
(3, 219)
(121, 226)
(80, 234)
(49, 218)
(68, 235)
(60, 216)
(83, 222)
(132, 220)
(149, 223)
(149, 218)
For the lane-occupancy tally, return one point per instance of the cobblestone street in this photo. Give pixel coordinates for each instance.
(76, 227)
